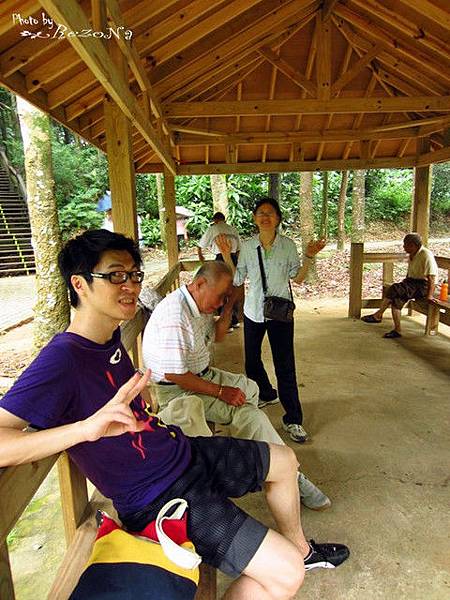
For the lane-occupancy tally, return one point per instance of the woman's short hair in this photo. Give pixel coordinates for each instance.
(273, 203)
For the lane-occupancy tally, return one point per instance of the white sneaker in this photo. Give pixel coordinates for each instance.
(310, 494)
(296, 432)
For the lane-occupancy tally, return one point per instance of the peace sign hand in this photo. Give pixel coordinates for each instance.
(116, 416)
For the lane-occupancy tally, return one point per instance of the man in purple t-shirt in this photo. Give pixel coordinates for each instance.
(82, 396)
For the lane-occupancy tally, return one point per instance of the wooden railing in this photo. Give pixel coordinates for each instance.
(19, 484)
(358, 258)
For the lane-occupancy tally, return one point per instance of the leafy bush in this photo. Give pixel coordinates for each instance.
(77, 216)
(151, 232)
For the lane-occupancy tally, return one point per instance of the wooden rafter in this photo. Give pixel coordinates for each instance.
(290, 72)
(404, 49)
(97, 59)
(349, 75)
(327, 8)
(308, 106)
(404, 29)
(245, 32)
(283, 137)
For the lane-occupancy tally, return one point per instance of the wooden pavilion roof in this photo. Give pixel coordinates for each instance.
(216, 86)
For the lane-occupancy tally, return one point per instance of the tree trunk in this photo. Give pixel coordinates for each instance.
(324, 216)
(161, 212)
(307, 218)
(358, 201)
(341, 211)
(51, 312)
(274, 186)
(219, 193)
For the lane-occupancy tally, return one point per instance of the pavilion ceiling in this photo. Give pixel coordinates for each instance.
(242, 85)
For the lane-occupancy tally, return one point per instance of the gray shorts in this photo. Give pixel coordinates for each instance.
(409, 288)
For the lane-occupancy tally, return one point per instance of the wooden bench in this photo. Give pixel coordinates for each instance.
(436, 312)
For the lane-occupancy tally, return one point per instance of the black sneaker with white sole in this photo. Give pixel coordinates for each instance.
(325, 556)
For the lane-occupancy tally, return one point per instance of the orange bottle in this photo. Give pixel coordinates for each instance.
(443, 294)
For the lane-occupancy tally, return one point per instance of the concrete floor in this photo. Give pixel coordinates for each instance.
(377, 411)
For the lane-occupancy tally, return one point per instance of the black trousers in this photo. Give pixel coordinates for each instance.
(235, 313)
(281, 340)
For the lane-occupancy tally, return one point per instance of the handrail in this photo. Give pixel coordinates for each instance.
(18, 484)
(17, 176)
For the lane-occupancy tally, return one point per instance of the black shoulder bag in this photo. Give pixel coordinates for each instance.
(275, 307)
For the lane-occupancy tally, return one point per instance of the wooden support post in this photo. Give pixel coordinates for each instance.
(356, 271)
(120, 160)
(6, 583)
(171, 225)
(420, 214)
(388, 274)
(74, 495)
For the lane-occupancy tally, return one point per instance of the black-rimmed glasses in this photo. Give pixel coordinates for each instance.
(118, 277)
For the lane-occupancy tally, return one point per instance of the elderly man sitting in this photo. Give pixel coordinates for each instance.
(176, 349)
(419, 283)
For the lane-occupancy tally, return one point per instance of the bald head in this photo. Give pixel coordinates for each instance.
(213, 271)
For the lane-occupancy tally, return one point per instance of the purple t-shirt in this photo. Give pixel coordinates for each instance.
(71, 379)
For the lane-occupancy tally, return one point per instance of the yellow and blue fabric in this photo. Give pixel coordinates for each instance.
(125, 566)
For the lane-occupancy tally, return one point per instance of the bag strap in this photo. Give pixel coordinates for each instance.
(263, 275)
(183, 557)
(261, 268)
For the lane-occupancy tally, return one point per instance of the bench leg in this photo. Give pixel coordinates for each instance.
(431, 326)
(207, 585)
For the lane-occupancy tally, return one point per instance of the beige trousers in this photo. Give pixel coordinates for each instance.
(246, 422)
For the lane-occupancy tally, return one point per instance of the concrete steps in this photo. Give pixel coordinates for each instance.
(16, 251)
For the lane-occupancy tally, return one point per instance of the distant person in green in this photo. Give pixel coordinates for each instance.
(418, 283)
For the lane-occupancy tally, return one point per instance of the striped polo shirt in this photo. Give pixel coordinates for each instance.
(177, 336)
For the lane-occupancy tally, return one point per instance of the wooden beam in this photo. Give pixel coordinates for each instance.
(405, 29)
(93, 53)
(120, 165)
(441, 16)
(438, 156)
(314, 136)
(248, 32)
(286, 166)
(420, 214)
(323, 58)
(355, 70)
(345, 105)
(294, 75)
(408, 50)
(327, 8)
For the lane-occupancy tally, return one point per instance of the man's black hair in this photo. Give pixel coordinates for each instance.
(80, 255)
(218, 216)
(273, 203)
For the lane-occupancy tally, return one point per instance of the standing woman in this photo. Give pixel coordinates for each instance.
(281, 263)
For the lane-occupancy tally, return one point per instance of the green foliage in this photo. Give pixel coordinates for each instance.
(440, 190)
(77, 216)
(151, 232)
(388, 194)
(146, 196)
